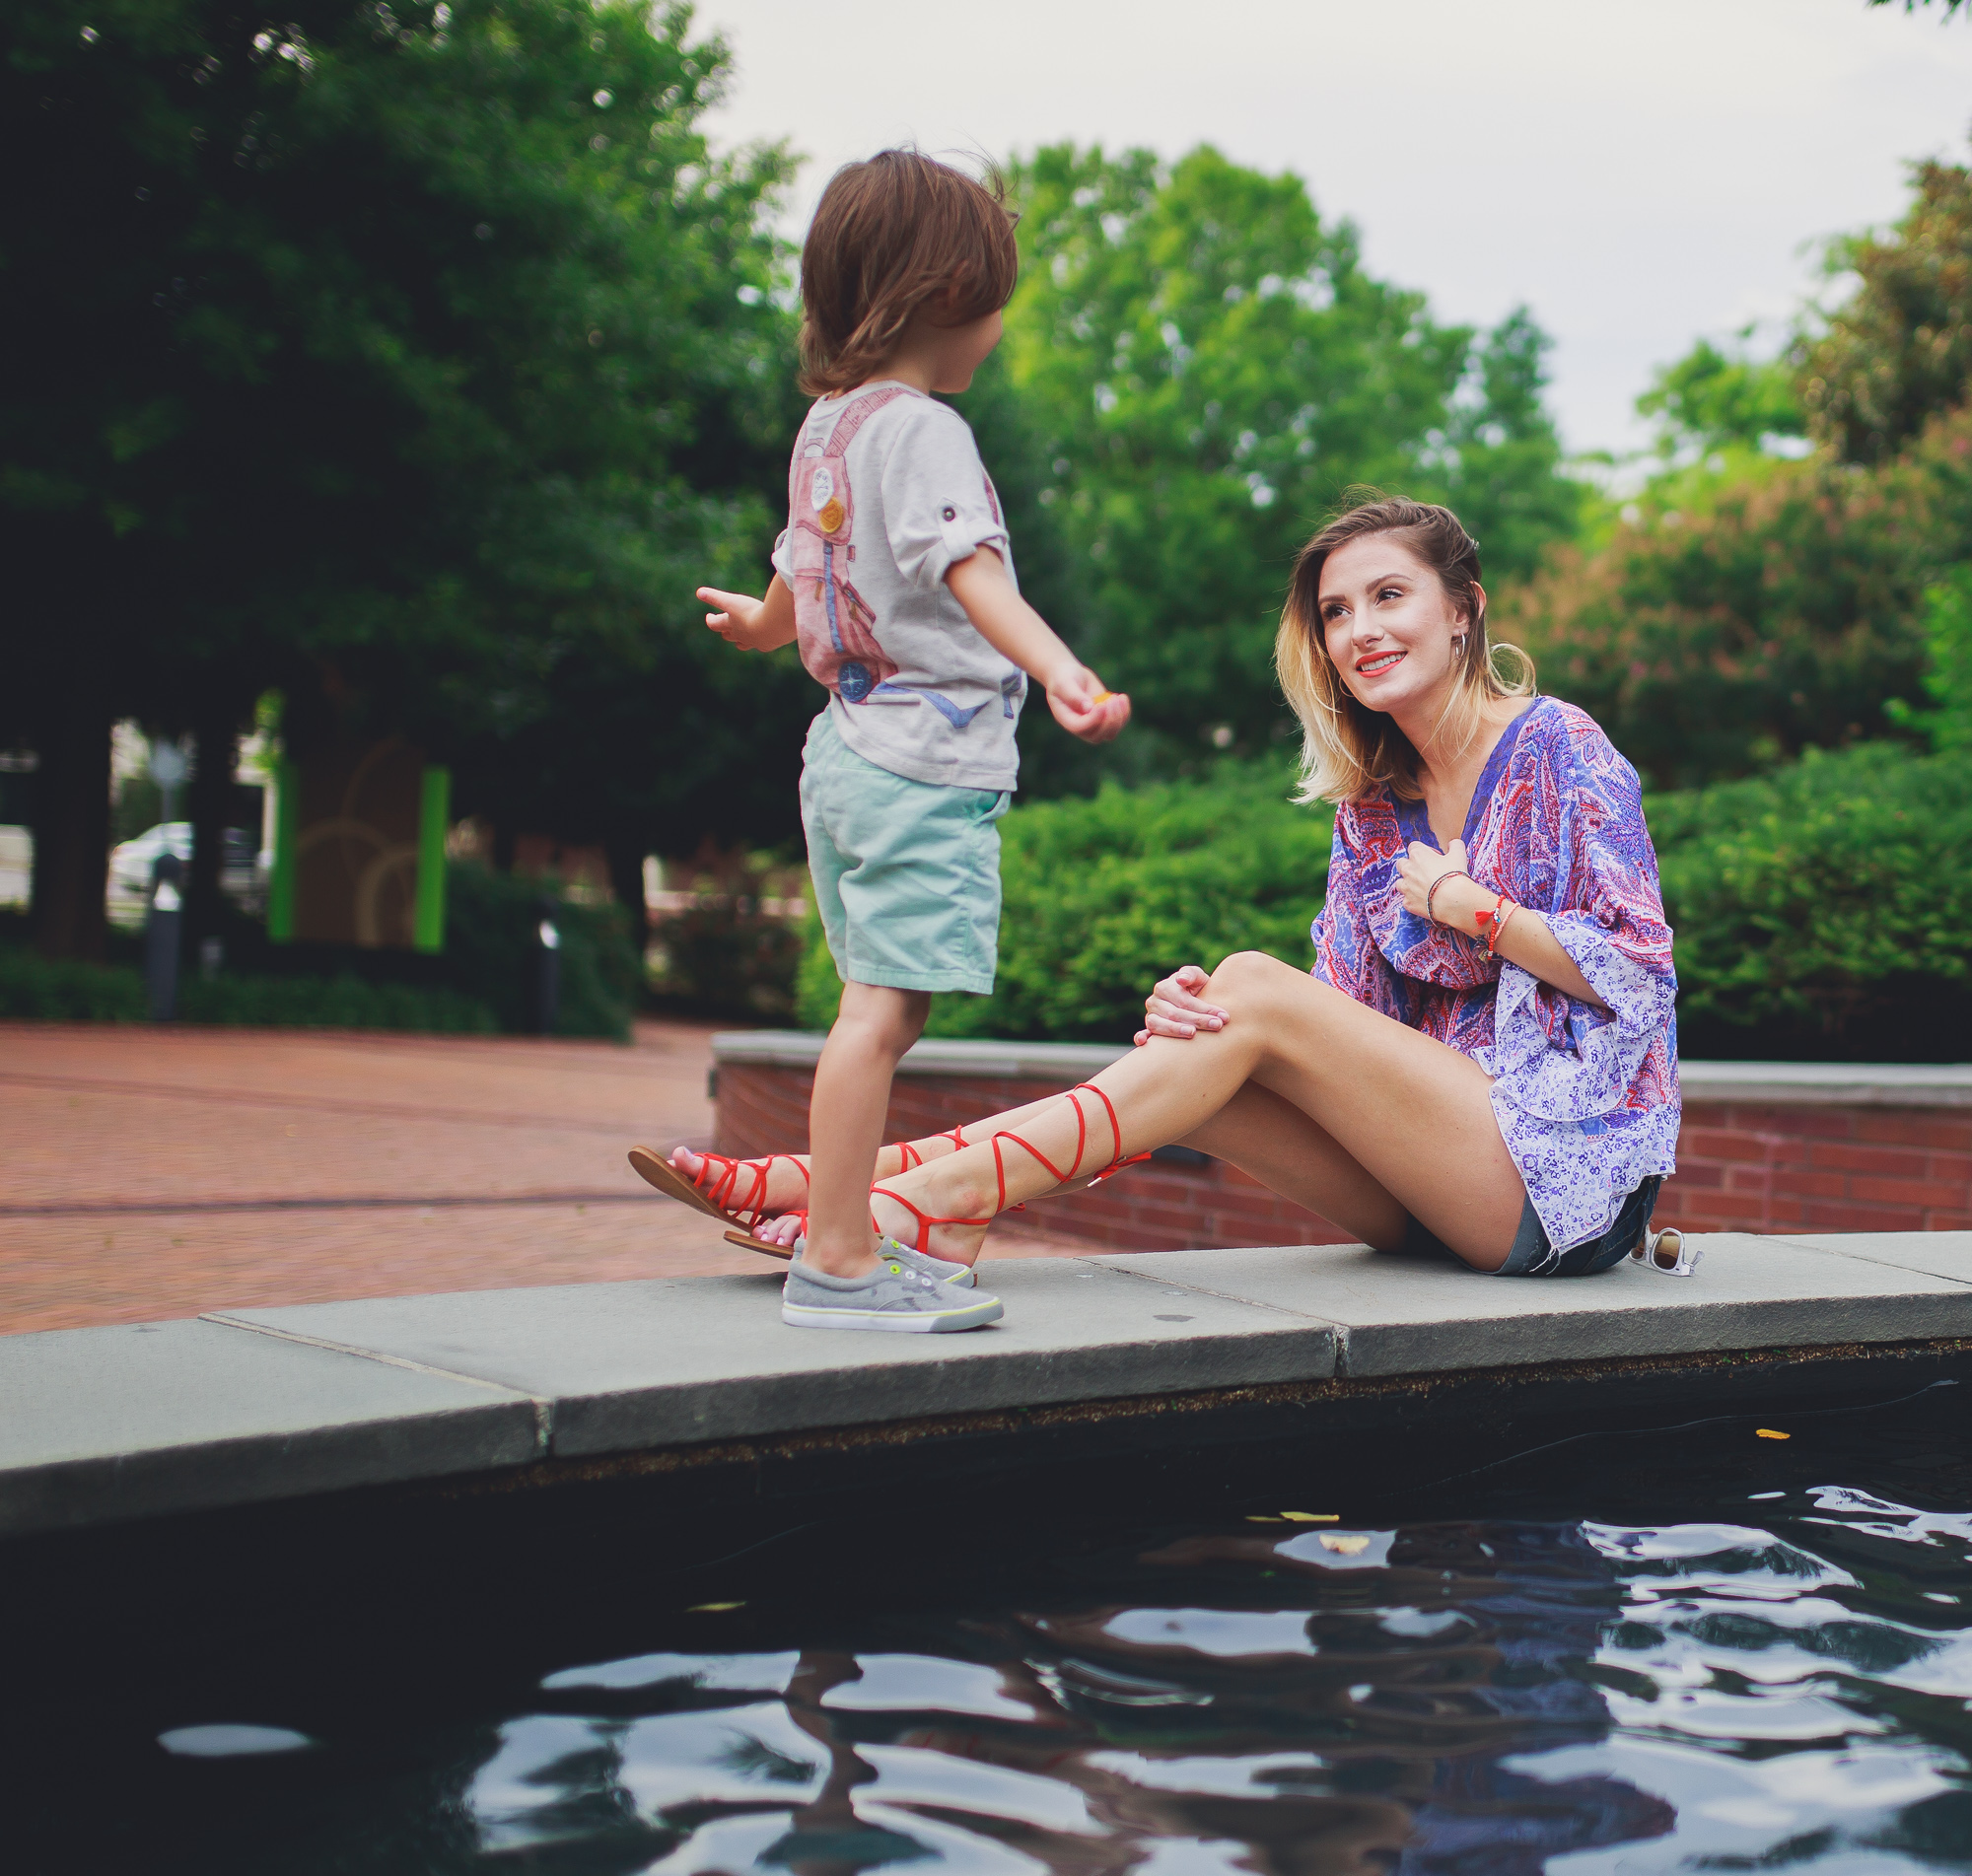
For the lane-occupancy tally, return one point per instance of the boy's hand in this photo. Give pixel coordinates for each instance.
(1084, 708)
(753, 625)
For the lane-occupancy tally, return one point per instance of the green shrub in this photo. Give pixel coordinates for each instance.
(1104, 897)
(33, 987)
(39, 989)
(331, 1003)
(1824, 910)
(492, 952)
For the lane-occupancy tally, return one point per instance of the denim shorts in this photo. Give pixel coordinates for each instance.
(1533, 1256)
(906, 874)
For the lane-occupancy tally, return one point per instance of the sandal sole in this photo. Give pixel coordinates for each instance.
(655, 1171)
(749, 1243)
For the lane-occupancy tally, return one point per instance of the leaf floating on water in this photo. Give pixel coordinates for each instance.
(1767, 1432)
(1313, 1518)
(1345, 1543)
(1262, 1517)
(713, 1608)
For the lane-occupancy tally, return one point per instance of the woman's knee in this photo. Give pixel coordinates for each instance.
(1239, 974)
(1248, 977)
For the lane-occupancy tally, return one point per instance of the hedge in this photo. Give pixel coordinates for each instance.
(482, 984)
(1823, 911)
(32, 986)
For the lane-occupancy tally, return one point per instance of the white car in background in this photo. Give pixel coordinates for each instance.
(242, 872)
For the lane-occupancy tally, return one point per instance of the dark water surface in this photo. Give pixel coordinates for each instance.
(1688, 1650)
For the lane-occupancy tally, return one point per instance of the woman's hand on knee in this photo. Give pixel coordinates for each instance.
(1176, 1007)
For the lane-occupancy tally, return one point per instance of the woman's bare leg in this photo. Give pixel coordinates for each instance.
(1271, 1139)
(786, 1175)
(1412, 1114)
(1256, 1131)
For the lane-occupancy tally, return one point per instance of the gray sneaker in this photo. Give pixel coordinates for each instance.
(894, 1297)
(938, 1266)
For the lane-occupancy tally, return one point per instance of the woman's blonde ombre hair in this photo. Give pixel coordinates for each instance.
(1349, 751)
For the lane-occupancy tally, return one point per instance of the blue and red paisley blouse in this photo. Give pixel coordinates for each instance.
(1588, 1102)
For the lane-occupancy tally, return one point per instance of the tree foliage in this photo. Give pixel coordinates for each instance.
(1713, 400)
(1210, 367)
(394, 355)
(1748, 607)
(1774, 615)
(1900, 348)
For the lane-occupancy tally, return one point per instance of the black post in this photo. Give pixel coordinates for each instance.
(163, 930)
(547, 982)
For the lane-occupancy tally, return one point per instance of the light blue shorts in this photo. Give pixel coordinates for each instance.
(906, 874)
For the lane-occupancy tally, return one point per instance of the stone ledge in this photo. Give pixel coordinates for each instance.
(1783, 1084)
(1061, 1064)
(99, 1426)
(137, 1421)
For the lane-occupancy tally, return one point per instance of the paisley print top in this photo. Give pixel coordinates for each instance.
(1587, 1103)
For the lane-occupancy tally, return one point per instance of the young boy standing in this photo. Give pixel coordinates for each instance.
(895, 577)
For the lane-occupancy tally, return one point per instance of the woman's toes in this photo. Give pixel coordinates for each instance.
(684, 1160)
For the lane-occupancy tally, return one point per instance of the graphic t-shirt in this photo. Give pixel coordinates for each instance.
(886, 491)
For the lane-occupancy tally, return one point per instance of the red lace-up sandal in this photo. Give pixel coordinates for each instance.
(912, 1160)
(1116, 1164)
(720, 1198)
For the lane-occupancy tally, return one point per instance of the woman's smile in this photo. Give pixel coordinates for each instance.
(1379, 662)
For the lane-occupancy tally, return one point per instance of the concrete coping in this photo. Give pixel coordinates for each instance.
(1781, 1083)
(99, 1426)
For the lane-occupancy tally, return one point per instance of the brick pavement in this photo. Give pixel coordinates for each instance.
(154, 1173)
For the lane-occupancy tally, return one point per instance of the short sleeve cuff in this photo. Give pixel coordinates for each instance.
(959, 537)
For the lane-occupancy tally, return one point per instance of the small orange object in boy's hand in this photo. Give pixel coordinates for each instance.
(1100, 719)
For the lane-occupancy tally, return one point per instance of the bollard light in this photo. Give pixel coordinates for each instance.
(163, 932)
(547, 971)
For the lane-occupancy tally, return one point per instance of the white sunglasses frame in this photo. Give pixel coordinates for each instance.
(1648, 1245)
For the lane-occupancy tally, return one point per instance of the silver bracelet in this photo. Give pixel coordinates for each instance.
(1455, 872)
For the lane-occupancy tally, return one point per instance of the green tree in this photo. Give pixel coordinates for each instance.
(1501, 470)
(393, 355)
(1774, 614)
(1209, 367)
(1710, 400)
(1899, 350)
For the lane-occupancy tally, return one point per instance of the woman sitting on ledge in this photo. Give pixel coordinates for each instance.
(1484, 1059)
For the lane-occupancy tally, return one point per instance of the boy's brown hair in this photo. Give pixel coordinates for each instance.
(891, 237)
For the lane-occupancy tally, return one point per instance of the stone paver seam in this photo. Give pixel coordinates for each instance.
(542, 1405)
(1822, 1244)
(1339, 1330)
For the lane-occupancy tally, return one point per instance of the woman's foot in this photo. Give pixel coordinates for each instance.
(750, 1189)
(932, 1210)
(785, 1202)
(924, 1208)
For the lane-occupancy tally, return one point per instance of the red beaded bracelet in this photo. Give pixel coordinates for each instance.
(1493, 923)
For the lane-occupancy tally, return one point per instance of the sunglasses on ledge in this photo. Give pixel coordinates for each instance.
(1666, 1253)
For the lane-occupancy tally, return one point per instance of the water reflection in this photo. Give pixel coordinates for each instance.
(1301, 1707)
(1786, 1680)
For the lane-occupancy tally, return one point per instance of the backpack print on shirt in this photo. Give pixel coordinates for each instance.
(835, 625)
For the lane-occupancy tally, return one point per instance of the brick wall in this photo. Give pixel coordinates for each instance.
(1741, 1166)
(1758, 1167)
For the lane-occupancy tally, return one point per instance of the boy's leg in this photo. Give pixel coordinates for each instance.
(873, 1029)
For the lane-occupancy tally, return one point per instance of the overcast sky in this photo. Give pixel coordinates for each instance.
(1638, 171)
